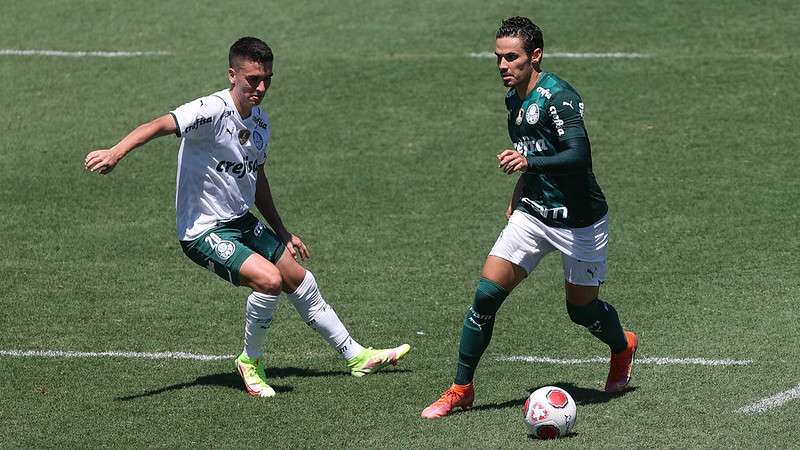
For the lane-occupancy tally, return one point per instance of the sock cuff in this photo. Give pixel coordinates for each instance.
(492, 289)
(261, 299)
(594, 305)
(308, 284)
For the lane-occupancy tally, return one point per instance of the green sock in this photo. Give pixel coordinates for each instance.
(601, 319)
(477, 330)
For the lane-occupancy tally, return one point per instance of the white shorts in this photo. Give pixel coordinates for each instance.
(584, 251)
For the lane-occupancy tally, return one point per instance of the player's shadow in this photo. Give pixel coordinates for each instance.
(233, 381)
(581, 395)
(586, 396)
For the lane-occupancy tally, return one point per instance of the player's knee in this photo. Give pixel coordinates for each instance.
(488, 297)
(587, 315)
(266, 282)
(576, 314)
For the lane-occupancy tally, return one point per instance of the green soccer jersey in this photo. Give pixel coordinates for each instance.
(559, 187)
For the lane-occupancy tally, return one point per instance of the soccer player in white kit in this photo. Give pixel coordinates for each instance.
(224, 146)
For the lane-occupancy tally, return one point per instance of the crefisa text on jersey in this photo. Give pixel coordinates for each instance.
(239, 169)
(528, 146)
(199, 121)
(559, 124)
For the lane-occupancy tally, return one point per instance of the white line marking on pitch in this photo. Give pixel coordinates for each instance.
(153, 355)
(111, 54)
(571, 55)
(771, 402)
(604, 360)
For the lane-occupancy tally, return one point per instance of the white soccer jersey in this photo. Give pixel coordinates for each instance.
(217, 162)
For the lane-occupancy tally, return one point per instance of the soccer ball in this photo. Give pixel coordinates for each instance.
(549, 413)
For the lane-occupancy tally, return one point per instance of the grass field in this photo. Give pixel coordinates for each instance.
(385, 132)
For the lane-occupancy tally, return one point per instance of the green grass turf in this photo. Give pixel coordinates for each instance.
(382, 161)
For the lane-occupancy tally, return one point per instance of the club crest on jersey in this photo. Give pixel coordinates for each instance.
(258, 140)
(519, 116)
(244, 135)
(532, 115)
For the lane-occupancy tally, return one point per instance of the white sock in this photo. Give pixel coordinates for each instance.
(258, 317)
(321, 317)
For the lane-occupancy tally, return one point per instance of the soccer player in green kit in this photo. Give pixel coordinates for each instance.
(556, 205)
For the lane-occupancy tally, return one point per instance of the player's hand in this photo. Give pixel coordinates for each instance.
(512, 161)
(509, 211)
(296, 246)
(102, 161)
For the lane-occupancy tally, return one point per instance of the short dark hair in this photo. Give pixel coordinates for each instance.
(251, 49)
(523, 28)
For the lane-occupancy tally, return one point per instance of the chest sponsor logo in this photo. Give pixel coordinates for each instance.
(258, 141)
(244, 135)
(236, 168)
(560, 212)
(519, 116)
(200, 121)
(532, 115)
(529, 146)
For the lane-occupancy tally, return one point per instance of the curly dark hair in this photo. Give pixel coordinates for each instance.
(523, 28)
(250, 49)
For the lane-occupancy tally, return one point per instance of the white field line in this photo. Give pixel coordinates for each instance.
(572, 55)
(604, 360)
(80, 54)
(153, 355)
(771, 402)
(200, 357)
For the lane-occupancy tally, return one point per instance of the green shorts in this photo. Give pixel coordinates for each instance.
(224, 248)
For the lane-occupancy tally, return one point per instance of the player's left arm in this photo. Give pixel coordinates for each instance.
(266, 206)
(573, 148)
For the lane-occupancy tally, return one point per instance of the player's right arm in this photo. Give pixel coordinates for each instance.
(105, 160)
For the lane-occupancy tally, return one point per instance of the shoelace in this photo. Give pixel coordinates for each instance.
(448, 398)
(251, 370)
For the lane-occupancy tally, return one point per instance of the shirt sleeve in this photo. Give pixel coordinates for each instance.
(566, 112)
(195, 120)
(574, 156)
(264, 130)
(573, 150)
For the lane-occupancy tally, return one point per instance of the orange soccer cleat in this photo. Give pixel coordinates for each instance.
(461, 395)
(619, 375)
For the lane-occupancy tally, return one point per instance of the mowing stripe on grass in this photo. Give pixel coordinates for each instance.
(572, 55)
(604, 360)
(104, 54)
(771, 402)
(148, 355)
